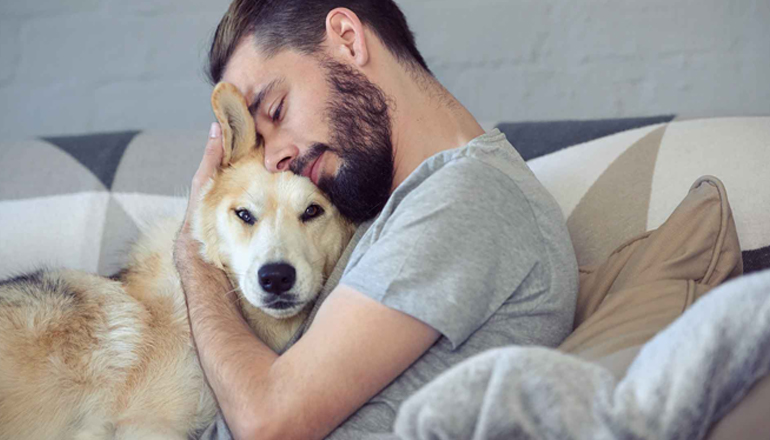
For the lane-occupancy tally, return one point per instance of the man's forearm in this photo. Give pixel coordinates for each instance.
(311, 388)
(236, 362)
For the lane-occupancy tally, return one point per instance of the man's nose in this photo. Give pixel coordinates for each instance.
(278, 156)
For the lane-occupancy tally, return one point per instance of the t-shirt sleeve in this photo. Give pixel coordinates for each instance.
(453, 250)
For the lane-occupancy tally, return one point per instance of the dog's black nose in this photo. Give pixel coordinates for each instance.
(277, 278)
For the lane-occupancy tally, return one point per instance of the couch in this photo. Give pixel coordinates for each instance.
(619, 180)
(79, 201)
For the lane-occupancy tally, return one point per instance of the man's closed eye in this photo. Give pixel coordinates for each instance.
(277, 113)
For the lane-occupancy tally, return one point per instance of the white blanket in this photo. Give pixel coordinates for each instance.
(683, 381)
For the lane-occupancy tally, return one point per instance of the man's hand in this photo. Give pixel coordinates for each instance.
(187, 257)
(196, 275)
(212, 157)
(186, 249)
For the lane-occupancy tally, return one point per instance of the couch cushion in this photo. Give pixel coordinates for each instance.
(79, 201)
(650, 280)
(620, 186)
(538, 138)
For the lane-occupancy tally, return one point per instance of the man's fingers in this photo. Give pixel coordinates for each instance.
(212, 157)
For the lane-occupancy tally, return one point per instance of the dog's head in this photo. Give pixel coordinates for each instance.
(276, 235)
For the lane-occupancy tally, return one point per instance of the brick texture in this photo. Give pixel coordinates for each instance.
(153, 104)
(83, 48)
(95, 65)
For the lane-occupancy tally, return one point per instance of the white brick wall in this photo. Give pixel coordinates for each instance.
(93, 65)
(551, 59)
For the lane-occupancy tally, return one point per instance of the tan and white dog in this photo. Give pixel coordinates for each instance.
(86, 357)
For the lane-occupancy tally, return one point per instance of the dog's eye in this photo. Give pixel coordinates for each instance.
(312, 212)
(245, 215)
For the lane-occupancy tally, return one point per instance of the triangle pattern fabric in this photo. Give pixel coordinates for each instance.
(161, 163)
(615, 207)
(735, 150)
(119, 233)
(570, 173)
(57, 231)
(100, 153)
(147, 209)
(535, 139)
(35, 168)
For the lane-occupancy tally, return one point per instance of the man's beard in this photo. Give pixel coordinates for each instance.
(359, 124)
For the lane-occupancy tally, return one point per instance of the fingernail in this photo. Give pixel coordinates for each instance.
(215, 131)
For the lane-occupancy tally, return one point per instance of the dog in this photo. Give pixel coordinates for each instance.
(88, 357)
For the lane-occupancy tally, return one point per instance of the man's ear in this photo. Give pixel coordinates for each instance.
(238, 133)
(346, 36)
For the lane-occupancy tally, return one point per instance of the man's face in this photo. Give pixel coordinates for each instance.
(320, 119)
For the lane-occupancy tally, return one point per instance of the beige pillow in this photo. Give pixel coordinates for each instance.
(650, 280)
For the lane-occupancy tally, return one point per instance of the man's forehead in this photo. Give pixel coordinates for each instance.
(246, 69)
(250, 71)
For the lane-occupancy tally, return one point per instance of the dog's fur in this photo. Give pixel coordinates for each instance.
(86, 357)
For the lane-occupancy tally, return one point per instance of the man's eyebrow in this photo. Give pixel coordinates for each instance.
(254, 106)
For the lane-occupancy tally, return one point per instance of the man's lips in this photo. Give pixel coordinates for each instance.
(313, 170)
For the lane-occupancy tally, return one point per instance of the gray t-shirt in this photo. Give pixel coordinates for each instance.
(473, 245)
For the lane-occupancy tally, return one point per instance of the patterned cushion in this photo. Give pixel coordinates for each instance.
(619, 186)
(535, 139)
(78, 201)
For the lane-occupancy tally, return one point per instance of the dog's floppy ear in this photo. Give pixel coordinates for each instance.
(238, 133)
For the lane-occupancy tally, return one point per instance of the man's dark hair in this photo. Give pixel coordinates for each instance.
(301, 25)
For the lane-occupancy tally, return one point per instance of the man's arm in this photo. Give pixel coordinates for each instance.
(353, 349)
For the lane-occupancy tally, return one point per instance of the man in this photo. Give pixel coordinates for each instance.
(460, 249)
